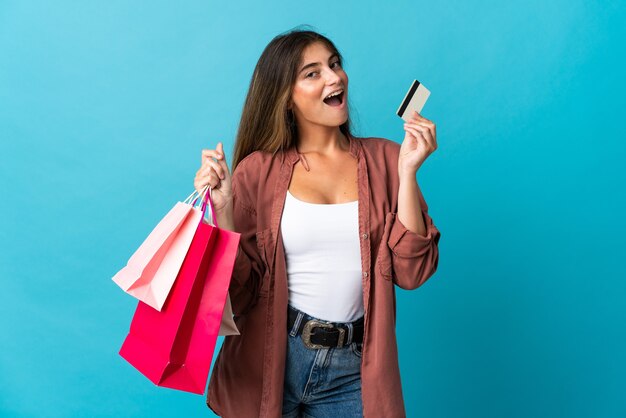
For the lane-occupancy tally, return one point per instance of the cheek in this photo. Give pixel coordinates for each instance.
(306, 97)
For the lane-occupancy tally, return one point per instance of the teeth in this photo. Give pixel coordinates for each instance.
(334, 94)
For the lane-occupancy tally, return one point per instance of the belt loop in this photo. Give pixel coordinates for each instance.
(350, 328)
(296, 324)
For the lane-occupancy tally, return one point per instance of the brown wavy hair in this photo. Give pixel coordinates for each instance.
(266, 122)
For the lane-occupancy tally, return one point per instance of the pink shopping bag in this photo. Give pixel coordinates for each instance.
(174, 347)
(152, 269)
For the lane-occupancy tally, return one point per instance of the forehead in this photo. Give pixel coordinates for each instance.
(317, 51)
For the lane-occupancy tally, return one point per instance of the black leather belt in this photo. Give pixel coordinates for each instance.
(322, 334)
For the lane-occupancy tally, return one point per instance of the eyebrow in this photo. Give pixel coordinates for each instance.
(314, 64)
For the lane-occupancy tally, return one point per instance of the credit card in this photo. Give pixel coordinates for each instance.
(414, 100)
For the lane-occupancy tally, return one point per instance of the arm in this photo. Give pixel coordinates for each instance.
(412, 237)
(411, 253)
(409, 205)
(248, 270)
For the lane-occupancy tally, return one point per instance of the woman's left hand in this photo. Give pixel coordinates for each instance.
(419, 142)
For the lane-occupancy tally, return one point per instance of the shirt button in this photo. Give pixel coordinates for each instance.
(365, 274)
(364, 236)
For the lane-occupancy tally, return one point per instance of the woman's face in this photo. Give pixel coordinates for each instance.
(319, 75)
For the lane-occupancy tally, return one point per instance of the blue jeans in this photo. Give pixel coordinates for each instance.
(324, 382)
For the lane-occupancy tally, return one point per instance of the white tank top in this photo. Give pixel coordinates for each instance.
(323, 256)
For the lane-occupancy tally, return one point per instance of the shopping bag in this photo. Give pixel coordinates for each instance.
(174, 347)
(152, 269)
(228, 326)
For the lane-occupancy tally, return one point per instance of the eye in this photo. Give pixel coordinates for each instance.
(314, 72)
(337, 62)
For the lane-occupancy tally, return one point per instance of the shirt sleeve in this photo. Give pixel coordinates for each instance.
(409, 258)
(249, 268)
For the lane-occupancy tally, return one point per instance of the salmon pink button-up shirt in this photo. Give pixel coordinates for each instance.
(247, 378)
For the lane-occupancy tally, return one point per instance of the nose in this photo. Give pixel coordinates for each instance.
(332, 77)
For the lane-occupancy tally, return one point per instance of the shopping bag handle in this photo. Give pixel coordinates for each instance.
(206, 193)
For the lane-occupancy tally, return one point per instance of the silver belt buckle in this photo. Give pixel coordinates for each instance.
(306, 333)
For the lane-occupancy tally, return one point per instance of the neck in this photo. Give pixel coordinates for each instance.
(325, 140)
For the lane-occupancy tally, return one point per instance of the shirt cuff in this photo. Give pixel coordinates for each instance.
(406, 243)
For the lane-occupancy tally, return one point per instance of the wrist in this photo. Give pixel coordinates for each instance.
(407, 175)
(225, 218)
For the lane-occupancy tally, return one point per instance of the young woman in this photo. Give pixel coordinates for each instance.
(329, 224)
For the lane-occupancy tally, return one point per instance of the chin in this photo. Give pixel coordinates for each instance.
(335, 120)
(342, 120)
(336, 123)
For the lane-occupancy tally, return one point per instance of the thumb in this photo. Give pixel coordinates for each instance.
(220, 150)
(222, 161)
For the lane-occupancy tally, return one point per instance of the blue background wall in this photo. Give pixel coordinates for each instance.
(105, 106)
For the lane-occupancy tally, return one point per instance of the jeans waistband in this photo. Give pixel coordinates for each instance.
(308, 317)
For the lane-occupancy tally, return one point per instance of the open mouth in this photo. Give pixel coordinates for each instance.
(335, 100)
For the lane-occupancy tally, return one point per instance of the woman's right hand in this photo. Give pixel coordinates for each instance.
(217, 175)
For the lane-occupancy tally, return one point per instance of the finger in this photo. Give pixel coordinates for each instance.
(215, 166)
(208, 153)
(207, 177)
(421, 134)
(419, 118)
(224, 164)
(418, 126)
(214, 181)
(213, 152)
(420, 123)
(207, 171)
(417, 134)
(417, 115)
(200, 183)
(426, 137)
(424, 122)
(425, 130)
